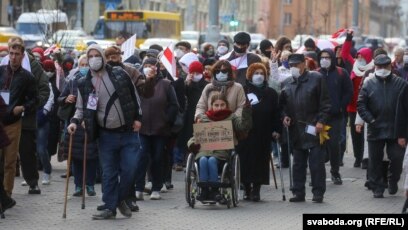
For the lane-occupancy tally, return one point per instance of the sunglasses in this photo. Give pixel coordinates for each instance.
(222, 71)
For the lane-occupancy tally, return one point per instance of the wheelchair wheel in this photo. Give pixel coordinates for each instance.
(236, 179)
(190, 180)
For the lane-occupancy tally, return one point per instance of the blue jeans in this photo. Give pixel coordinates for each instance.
(42, 147)
(118, 156)
(208, 169)
(78, 166)
(178, 155)
(152, 148)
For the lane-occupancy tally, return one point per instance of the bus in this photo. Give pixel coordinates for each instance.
(145, 24)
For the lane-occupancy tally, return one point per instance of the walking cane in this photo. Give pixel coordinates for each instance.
(64, 215)
(290, 161)
(280, 171)
(84, 171)
(273, 172)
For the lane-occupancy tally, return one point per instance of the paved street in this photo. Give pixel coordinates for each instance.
(172, 212)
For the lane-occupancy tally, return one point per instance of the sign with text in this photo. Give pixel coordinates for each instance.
(217, 135)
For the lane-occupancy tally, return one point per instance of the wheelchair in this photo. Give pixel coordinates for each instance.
(228, 183)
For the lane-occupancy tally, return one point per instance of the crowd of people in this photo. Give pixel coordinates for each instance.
(120, 119)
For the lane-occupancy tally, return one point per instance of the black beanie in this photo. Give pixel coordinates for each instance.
(310, 43)
(223, 41)
(150, 60)
(242, 38)
(265, 44)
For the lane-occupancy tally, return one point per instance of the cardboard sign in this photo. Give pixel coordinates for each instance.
(214, 135)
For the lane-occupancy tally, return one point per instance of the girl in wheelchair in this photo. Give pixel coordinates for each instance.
(208, 161)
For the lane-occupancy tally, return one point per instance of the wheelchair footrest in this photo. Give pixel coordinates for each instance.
(214, 184)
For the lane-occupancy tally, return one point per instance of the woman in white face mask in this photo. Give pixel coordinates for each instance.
(254, 151)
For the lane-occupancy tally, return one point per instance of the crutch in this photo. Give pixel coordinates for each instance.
(290, 161)
(280, 171)
(273, 172)
(84, 171)
(64, 215)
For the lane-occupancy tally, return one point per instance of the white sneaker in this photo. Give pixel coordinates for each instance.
(164, 189)
(148, 187)
(46, 179)
(24, 183)
(139, 195)
(155, 196)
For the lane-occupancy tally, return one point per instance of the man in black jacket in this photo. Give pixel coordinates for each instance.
(377, 105)
(108, 104)
(19, 90)
(306, 106)
(340, 90)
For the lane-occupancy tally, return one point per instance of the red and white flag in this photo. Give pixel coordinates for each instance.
(169, 61)
(339, 33)
(52, 49)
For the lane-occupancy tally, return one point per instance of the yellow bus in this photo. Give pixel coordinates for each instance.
(145, 24)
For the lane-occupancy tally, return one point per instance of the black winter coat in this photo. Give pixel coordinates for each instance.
(306, 101)
(402, 114)
(4, 140)
(255, 150)
(377, 105)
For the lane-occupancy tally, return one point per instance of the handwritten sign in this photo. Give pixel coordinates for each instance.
(214, 135)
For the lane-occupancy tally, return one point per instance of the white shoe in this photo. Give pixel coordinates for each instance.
(155, 196)
(148, 187)
(139, 195)
(164, 189)
(46, 179)
(24, 183)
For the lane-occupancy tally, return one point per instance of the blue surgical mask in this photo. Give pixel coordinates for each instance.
(221, 76)
(285, 64)
(83, 71)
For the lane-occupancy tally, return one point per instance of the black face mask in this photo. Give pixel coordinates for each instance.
(267, 53)
(112, 63)
(239, 50)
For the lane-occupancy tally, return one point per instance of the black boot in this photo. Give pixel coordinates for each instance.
(204, 194)
(256, 189)
(247, 191)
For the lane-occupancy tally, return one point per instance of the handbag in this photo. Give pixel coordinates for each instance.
(66, 111)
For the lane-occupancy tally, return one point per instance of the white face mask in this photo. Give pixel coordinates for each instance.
(147, 70)
(222, 50)
(95, 63)
(295, 72)
(258, 79)
(325, 63)
(362, 62)
(405, 58)
(382, 73)
(197, 77)
(179, 53)
(221, 76)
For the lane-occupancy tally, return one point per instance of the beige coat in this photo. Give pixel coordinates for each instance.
(235, 96)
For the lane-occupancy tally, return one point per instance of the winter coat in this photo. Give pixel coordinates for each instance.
(306, 101)
(240, 123)
(4, 140)
(402, 115)
(377, 105)
(403, 73)
(255, 150)
(160, 110)
(234, 92)
(339, 85)
(23, 92)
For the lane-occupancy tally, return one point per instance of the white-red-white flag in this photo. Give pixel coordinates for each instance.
(339, 33)
(169, 61)
(52, 49)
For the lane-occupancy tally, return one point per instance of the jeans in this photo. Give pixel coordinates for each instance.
(91, 165)
(42, 147)
(178, 155)
(118, 153)
(152, 147)
(208, 169)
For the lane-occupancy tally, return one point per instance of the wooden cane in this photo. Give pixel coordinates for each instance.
(64, 215)
(84, 171)
(273, 172)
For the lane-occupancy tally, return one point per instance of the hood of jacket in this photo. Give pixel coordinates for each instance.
(332, 58)
(366, 53)
(100, 50)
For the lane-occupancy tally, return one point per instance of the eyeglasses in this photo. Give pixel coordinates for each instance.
(222, 71)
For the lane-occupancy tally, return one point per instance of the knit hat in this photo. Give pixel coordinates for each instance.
(48, 65)
(310, 43)
(223, 41)
(150, 60)
(382, 59)
(242, 38)
(195, 67)
(265, 44)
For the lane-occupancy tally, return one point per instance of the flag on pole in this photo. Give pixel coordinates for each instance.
(339, 33)
(169, 61)
(128, 47)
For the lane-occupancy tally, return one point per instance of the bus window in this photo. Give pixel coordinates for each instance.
(99, 29)
(113, 28)
(163, 28)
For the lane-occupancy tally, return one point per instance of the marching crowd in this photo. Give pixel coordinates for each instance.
(129, 123)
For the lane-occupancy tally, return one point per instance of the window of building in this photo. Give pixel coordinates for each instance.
(287, 2)
(287, 20)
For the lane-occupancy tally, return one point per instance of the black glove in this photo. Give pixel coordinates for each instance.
(349, 36)
(194, 148)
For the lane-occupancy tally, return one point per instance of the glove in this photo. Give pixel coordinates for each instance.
(349, 36)
(194, 148)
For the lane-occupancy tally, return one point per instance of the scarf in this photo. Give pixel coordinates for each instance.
(360, 70)
(220, 86)
(218, 115)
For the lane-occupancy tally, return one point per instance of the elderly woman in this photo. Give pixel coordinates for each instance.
(222, 82)
(255, 150)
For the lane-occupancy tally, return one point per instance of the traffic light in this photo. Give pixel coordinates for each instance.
(233, 22)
